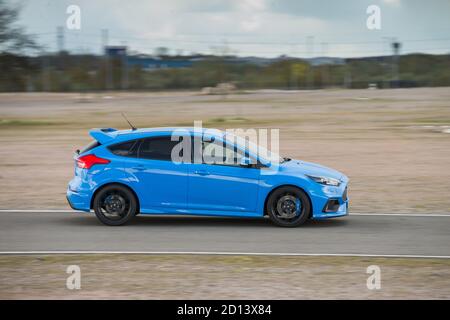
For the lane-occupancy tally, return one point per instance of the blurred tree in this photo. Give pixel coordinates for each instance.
(13, 37)
(17, 71)
(298, 74)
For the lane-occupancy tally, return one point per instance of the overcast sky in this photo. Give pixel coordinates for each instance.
(268, 28)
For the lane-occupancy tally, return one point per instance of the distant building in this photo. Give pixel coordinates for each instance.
(147, 62)
(152, 63)
(116, 51)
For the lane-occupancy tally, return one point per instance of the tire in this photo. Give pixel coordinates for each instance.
(115, 205)
(288, 207)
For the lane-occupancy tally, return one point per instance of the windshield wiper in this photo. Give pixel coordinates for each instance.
(286, 159)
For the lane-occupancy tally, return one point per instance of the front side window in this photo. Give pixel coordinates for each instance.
(220, 153)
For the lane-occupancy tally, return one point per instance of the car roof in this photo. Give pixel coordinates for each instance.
(144, 131)
(111, 135)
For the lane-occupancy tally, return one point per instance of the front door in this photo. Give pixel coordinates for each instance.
(221, 186)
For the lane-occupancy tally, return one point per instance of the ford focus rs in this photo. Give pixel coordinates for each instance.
(122, 173)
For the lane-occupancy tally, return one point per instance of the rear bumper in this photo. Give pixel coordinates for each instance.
(78, 201)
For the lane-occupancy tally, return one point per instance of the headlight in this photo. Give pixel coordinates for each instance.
(325, 180)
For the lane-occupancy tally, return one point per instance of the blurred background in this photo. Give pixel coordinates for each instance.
(250, 44)
(361, 86)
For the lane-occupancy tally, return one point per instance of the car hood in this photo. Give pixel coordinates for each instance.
(308, 168)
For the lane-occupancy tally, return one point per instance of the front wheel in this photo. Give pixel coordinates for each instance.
(115, 205)
(288, 207)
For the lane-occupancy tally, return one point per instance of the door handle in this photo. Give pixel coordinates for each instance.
(201, 172)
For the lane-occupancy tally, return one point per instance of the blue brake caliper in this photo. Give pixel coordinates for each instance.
(298, 207)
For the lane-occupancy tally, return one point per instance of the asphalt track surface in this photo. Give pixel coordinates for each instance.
(366, 235)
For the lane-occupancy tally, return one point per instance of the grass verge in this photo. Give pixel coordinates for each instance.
(114, 276)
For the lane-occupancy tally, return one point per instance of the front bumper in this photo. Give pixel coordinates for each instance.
(342, 211)
(331, 202)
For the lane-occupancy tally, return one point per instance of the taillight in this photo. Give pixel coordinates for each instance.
(87, 161)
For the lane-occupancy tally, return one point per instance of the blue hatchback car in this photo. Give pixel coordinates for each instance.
(126, 172)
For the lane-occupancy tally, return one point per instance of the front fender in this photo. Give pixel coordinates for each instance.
(268, 183)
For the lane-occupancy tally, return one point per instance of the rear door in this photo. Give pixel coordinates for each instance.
(162, 183)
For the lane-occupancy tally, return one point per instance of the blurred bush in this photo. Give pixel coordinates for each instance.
(65, 72)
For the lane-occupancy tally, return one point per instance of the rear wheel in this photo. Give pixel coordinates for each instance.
(288, 207)
(115, 205)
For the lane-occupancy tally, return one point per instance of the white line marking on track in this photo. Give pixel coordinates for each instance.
(226, 253)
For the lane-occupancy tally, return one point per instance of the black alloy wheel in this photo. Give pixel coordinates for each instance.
(115, 205)
(288, 207)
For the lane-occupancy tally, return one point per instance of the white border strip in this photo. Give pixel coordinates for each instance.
(402, 214)
(225, 253)
(350, 214)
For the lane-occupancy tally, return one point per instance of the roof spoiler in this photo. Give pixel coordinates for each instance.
(103, 135)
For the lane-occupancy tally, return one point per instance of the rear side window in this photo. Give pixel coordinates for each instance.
(125, 149)
(159, 148)
(90, 146)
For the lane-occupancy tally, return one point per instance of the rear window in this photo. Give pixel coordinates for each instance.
(125, 149)
(93, 144)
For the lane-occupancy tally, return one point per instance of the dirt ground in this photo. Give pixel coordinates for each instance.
(221, 277)
(393, 144)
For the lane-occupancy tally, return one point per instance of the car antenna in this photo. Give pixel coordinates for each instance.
(132, 127)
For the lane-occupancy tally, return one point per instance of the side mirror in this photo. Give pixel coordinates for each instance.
(245, 162)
